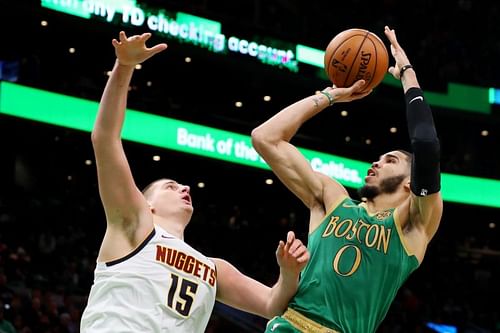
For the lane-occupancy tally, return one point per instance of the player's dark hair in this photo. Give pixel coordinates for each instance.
(408, 155)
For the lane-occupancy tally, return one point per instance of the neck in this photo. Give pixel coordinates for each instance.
(386, 201)
(172, 225)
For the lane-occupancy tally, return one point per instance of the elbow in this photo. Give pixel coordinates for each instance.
(261, 140)
(425, 169)
(427, 150)
(257, 138)
(96, 138)
(99, 138)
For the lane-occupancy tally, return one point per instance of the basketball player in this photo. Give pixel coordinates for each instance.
(361, 252)
(147, 279)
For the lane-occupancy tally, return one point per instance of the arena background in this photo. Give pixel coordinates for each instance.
(51, 218)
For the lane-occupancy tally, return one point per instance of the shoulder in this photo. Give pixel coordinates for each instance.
(227, 275)
(222, 265)
(333, 191)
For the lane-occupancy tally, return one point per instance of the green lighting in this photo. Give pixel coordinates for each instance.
(86, 9)
(201, 23)
(61, 110)
(471, 190)
(74, 7)
(461, 97)
(310, 56)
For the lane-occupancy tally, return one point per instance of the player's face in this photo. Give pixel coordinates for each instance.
(390, 165)
(168, 192)
(386, 175)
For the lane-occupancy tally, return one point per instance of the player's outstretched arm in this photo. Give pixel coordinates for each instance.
(118, 191)
(426, 204)
(242, 292)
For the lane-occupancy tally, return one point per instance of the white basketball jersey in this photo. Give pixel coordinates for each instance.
(163, 286)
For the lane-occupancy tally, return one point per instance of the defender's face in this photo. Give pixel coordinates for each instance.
(169, 193)
(389, 165)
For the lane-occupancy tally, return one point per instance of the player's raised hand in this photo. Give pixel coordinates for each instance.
(132, 50)
(397, 53)
(348, 94)
(292, 256)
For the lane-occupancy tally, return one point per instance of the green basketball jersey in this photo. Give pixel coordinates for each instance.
(358, 262)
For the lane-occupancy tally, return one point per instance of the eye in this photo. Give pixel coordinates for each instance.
(171, 186)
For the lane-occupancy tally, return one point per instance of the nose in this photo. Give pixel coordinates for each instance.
(185, 188)
(375, 165)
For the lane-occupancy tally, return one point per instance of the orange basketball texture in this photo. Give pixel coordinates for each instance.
(356, 54)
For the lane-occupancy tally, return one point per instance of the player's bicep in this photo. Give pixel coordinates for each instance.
(120, 196)
(426, 212)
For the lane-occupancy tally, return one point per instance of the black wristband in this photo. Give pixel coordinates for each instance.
(403, 69)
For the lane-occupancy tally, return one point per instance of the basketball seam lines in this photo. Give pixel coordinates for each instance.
(354, 59)
(374, 42)
(376, 60)
(333, 54)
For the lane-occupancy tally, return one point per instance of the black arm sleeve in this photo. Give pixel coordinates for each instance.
(425, 169)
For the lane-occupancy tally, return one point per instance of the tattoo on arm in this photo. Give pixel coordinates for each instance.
(316, 101)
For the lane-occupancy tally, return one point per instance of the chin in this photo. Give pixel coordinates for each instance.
(189, 209)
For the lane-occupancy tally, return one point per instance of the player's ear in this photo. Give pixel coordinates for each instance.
(151, 208)
(407, 183)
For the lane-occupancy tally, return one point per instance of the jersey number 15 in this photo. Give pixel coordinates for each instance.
(181, 295)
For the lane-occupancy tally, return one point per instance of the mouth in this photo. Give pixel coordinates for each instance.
(187, 198)
(371, 173)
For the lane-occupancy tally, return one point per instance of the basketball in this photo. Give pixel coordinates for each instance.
(356, 54)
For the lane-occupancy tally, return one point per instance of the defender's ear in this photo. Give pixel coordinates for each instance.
(151, 208)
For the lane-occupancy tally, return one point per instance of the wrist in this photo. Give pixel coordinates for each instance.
(287, 276)
(404, 69)
(121, 64)
(327, 92)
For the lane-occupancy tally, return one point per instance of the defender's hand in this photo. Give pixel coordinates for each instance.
(292, 256)
(131, 51)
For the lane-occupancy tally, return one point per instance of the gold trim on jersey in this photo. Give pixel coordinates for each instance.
(304, 324)
(335, 204)
(365, 206)
(401, 235)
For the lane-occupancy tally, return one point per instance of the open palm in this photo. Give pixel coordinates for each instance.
(133, 50)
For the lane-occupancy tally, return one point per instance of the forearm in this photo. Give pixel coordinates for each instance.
(281, 293)
(409, 80)
(286, 123)
(113, 103)
(425, 169)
